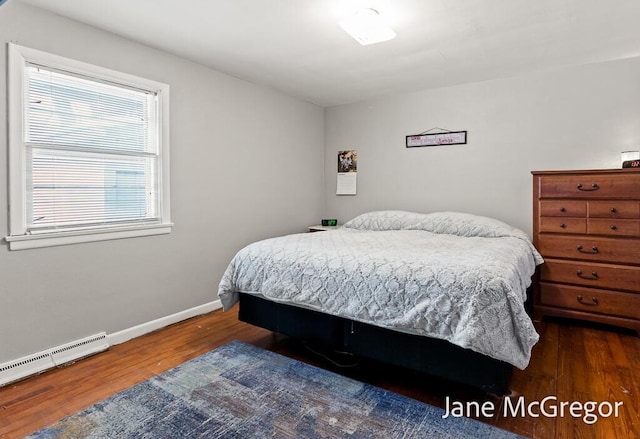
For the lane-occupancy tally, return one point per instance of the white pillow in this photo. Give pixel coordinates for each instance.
(385, 220)
(450, 223)
(467, 224)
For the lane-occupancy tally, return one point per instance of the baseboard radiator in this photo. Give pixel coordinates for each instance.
(39, 362)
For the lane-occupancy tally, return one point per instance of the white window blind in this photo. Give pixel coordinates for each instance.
(92, 152)
(88, 152)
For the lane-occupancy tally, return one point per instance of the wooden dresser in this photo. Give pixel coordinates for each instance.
(586, 225)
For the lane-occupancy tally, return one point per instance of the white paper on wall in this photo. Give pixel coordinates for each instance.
(346, 183)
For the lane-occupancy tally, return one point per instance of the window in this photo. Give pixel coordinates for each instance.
(88, 152)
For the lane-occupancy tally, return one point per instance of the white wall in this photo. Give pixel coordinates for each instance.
(578, 117)
(238, 173)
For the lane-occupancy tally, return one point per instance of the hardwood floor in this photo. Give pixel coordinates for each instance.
(571, 362)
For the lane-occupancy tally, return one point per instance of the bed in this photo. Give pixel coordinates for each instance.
(443, 293)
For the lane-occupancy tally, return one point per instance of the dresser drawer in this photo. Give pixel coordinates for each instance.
(563, 208)
(592, 186)
(614, 209)
(613, 227)
(591, 300)
(589, 248)
(614, 277)
(554, 224)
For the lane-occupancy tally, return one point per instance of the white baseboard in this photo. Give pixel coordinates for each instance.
(47, 359)
(145, 328)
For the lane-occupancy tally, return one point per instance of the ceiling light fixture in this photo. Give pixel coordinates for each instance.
(367, 26)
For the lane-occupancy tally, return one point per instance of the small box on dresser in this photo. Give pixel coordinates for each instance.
(586, 225)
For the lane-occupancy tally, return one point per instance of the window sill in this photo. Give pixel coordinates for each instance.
(23, 242)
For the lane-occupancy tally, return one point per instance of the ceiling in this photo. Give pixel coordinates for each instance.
(298, 47)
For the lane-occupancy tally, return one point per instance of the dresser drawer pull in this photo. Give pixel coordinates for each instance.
(613, 227)
(594, 275)
(562, 209)
(593, 250)
(594, 301)
(613, 210)
(563, 225)
(594, 187)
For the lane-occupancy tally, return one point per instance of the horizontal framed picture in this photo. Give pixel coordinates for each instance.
(435, 139)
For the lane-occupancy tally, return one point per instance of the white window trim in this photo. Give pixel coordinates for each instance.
(18, 237)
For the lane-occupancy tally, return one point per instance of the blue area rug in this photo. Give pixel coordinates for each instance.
(241, 391)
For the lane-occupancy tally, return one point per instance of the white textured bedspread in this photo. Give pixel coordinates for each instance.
(452, 276)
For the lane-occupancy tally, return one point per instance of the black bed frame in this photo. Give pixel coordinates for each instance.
(422, 354)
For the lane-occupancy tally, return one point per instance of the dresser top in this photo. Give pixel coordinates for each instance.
(592, 171)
